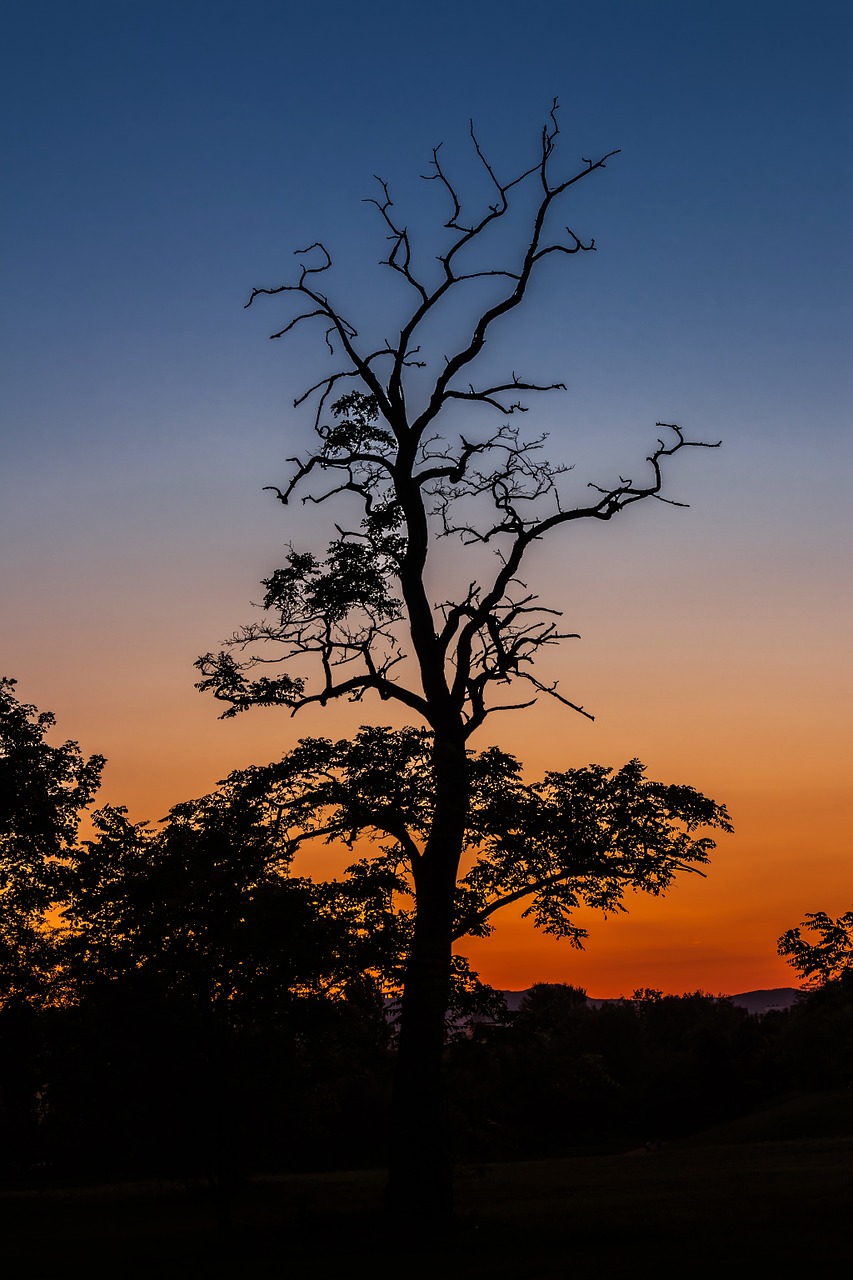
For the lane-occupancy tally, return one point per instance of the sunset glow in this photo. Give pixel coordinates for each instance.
(165, 166)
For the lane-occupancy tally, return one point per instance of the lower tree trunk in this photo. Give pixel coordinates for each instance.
(420, 1173)
(420, 1176)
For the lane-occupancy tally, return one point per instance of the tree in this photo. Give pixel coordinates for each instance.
(825, 955)
(215, 998)
(362, 619)
(817, 1040)
(205, 908)
(43, 790)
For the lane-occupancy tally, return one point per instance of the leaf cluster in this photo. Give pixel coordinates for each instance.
(820, 948)
(581, 837)
(43, 790)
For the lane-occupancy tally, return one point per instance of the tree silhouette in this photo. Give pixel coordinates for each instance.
(205, 979)
(825, 954)
(581, 836)
(205, 908)
(403, 432)
(817, 1047)
(43, 790)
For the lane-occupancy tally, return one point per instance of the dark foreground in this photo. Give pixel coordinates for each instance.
(745, 1196)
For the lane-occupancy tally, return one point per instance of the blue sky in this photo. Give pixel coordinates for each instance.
(161, 160)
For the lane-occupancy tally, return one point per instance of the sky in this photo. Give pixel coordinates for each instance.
(163, 159)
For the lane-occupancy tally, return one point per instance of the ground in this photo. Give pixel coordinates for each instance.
(773, 1189)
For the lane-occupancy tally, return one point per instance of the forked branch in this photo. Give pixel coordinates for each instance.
(365, 607)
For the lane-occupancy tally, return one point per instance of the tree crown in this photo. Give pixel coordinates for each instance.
(820, 948)
(400, 430)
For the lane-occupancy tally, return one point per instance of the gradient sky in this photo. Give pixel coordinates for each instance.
(162, 159)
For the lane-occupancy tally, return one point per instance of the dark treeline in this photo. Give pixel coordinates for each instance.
(136, 1080)
(564, 1077)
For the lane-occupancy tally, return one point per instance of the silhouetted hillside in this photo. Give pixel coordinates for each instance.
(762, 1001)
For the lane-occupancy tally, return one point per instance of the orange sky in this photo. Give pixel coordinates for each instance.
(742, 693)
(163, 168)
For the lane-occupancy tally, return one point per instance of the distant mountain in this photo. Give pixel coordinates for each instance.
(764, 1001)
(752, 1001)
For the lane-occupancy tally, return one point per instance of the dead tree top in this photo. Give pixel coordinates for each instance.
(419, 476)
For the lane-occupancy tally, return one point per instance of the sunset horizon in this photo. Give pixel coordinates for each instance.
(164, 167)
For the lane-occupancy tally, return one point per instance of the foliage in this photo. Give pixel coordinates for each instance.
(580, 837)
(817, 1049)
(205, 908)
(825, 953)
(210, 902)
(43, 790)
(583, 836)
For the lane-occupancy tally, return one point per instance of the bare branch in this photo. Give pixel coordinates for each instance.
(551, 690)
(400, 256)
(488, 394)
(499, 490)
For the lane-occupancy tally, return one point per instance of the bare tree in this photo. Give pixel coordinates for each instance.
(395, 429)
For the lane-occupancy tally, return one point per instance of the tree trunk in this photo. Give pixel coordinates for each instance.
(420, 1170)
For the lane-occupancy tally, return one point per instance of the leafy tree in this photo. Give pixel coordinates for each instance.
(402, 430)
(205, 908)
(816, 1048)
(208, 901)
(825, 954)
(43, 790)
(218, 1000)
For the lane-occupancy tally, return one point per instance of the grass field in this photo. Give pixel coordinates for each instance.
(772, 1190)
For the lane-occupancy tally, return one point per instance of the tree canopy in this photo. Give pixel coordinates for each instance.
(579, 837)
(820, 948)
(43, 791)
